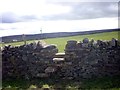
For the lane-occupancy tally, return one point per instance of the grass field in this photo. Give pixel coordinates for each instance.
(61, 42)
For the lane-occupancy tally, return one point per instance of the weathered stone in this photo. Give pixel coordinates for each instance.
(85, 40)
(81, 60)
(71, 45)
(113, 42)
(85, 45)
(50, 70)
(42, 75)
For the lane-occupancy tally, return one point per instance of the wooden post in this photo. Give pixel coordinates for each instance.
(41, 33)
(24, 39)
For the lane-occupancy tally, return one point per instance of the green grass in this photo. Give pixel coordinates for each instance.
(104, 83)
(61, 42)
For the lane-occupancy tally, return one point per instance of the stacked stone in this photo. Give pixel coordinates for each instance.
(26, 61)
(74, 50)
(70, 49)
(93, 59)
(85, 59)
(49, 51)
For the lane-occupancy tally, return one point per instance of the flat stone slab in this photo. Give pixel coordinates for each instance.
(58, 59)
(59, 55)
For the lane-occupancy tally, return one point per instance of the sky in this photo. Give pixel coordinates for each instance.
(31, 16)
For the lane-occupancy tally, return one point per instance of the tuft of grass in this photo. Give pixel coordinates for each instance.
(104, 83)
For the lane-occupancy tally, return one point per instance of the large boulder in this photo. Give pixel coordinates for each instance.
(49, 51)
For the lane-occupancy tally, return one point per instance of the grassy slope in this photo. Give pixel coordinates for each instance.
(61, 42)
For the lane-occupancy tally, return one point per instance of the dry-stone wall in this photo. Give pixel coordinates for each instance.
(92, 59)
(27, 61)
(84, 59)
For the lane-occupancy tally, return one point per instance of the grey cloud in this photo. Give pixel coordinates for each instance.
(80, 10)
(10, 17)
(86, 10)
(59, 1)
(29, 17)
(2, 28)
(10, 28)
(95, 10)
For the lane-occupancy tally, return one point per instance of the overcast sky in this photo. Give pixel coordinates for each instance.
(30, 16)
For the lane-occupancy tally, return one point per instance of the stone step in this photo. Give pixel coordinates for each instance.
(59, 55)
(58, 59)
